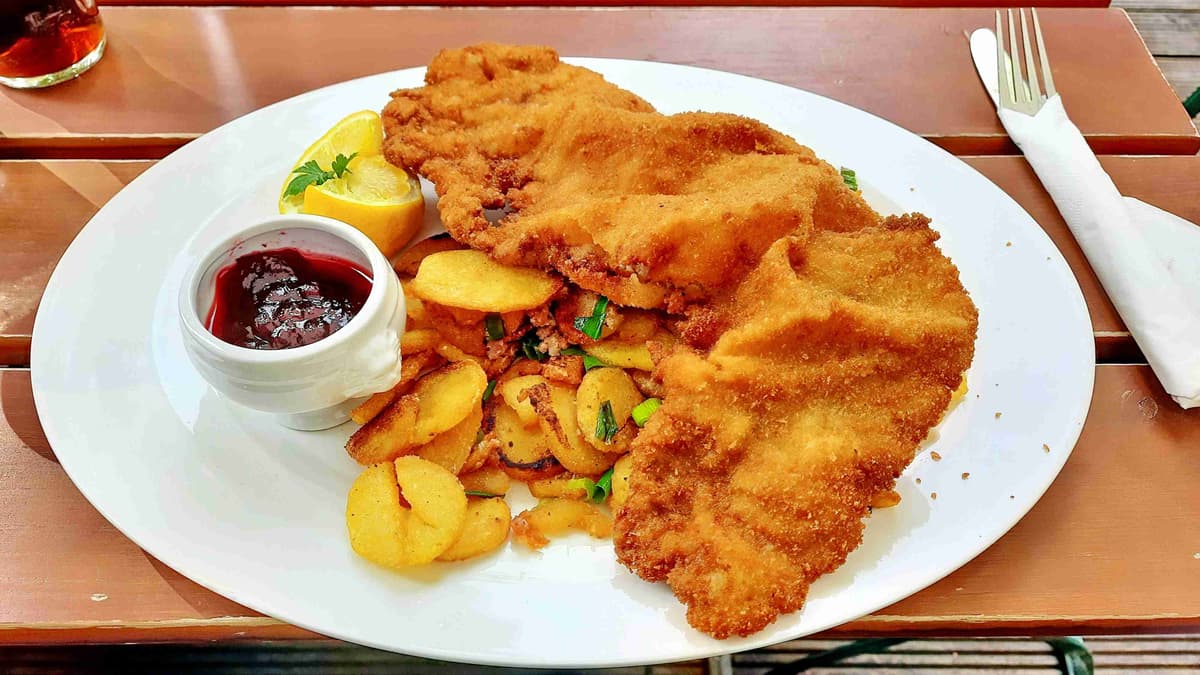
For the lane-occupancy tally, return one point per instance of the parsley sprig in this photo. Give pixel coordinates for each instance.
(311, 173)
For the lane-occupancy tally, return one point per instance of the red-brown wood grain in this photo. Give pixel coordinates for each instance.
(1110, 547)
(172, 73)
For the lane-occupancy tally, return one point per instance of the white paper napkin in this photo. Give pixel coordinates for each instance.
(1148, 260)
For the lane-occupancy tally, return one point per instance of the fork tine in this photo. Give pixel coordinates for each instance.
(1003, 72)
(1035, 92)
(1046, 76)
(1020, 94)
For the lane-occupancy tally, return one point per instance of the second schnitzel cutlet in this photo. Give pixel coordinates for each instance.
(819, 341)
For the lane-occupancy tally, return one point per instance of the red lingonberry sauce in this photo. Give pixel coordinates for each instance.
(284, 298)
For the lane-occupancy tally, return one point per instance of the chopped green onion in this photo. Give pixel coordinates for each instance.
(494, 326)
(592, 325)
(596, 491)
(487, 393)
(589, 361)
(850, 179)
(641, 412)
(478, 493)
(478, 438)
(605, 485)
(606, 423)
(531, 347)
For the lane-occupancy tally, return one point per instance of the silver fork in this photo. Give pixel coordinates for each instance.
(1017, 92)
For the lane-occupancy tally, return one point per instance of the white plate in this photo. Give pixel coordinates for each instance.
(254, 511)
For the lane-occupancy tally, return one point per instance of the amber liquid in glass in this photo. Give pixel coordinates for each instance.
(40, 37)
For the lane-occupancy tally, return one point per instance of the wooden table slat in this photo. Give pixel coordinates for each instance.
(1090, 557)
(157, 88)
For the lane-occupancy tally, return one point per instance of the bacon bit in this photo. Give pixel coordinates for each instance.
(936, 457)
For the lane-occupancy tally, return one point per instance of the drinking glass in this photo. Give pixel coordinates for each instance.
(44, 42)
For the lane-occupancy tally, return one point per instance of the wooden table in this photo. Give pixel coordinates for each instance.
(1113, 546)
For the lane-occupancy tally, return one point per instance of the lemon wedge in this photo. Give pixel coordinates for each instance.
(382, 201)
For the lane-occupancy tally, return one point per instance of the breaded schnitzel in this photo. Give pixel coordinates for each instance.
(820, 342)
(755, 475)
(651, 210)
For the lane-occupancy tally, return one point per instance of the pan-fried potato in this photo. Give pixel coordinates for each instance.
(413, 307)
(623, 354)
(385, 531)
(410, 367)
(451, 448)
(387, 435)
(419, 340)
(445, 397)
(511, 391)
(614, 386)
(555, 516)
(410, 259)
(438, 402)
(472, 280)
(485, 529)
(524, 453)
(489, 479)
(636, 326)
(558, 418)
(559, 486)
(620, 482)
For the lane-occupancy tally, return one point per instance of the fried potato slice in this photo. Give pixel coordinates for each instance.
(385, 531)
(620, 482)
(451, 448)
(559, 486)
(446, 396)
(414, 307)
(615, 387)
(524, 453)
(409, 260)
(555, 516)
(511, 391)
(489, 479)
(485, 530)
(471, 280)
(410, 368)
(387, 435)
(556, 408)
(419, 340)
(438, 402)
(623, 354)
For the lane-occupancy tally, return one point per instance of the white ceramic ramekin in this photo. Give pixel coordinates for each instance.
(314, 386)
